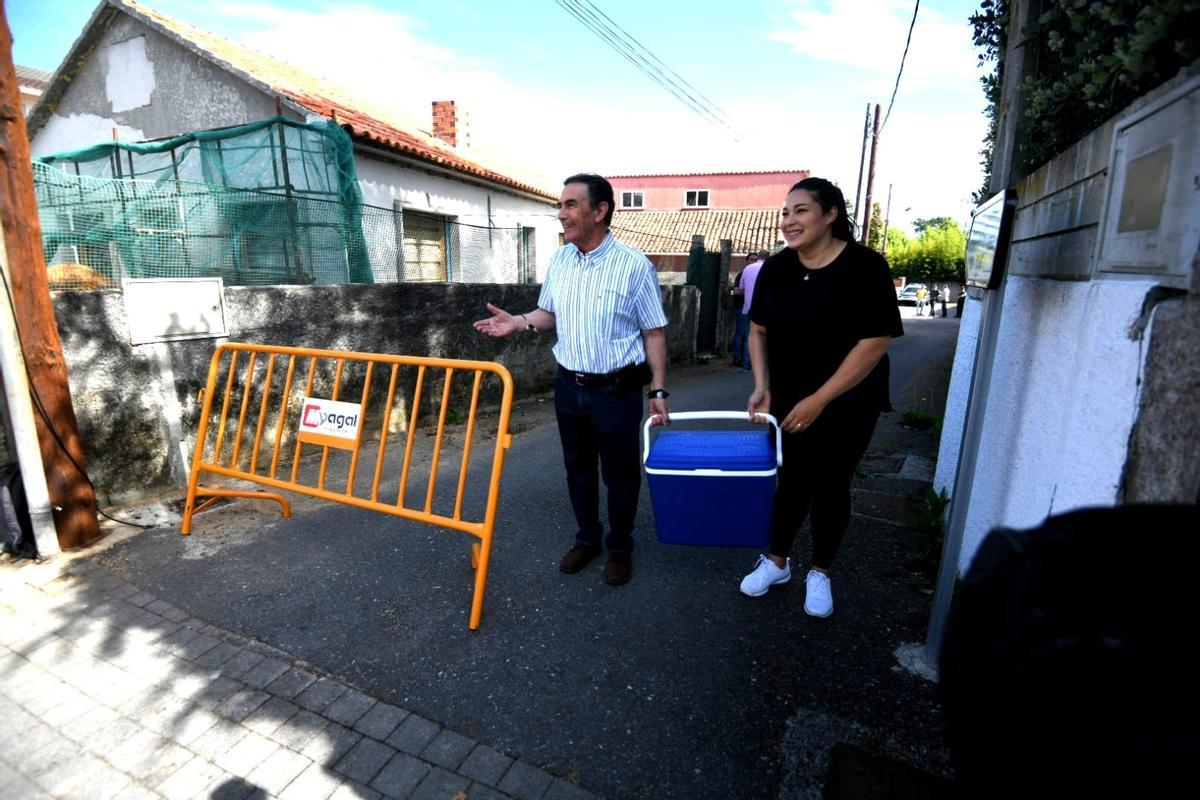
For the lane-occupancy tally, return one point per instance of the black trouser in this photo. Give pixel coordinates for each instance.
(818, 466)
(600, 422)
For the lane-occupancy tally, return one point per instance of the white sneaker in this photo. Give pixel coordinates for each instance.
(818, 599)
(764, 576)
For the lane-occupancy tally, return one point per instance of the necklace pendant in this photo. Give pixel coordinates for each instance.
(806, 277)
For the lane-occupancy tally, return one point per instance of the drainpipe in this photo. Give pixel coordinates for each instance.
(20, 411)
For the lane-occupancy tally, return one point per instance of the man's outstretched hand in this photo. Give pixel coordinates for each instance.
(500, 323)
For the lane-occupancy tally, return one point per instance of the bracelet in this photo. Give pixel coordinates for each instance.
(658, 394)
(529, 326)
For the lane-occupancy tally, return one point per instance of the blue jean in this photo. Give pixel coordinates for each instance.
(741, 340)
(598, 423)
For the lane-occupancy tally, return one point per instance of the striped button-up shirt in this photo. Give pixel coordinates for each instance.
(601, 302)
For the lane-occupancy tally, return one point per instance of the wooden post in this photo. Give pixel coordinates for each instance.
(862, 162)
(866, 228)
(71, 495)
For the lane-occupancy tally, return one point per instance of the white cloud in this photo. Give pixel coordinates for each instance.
(868, 36)
(931, 156)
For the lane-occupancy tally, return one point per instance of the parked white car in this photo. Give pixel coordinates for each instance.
(908, 295)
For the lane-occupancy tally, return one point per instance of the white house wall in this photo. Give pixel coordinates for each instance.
(146, 86)
(956, 400)
(1062, 402)
(384, 183)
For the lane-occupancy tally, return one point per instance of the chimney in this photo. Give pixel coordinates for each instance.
(445, 122)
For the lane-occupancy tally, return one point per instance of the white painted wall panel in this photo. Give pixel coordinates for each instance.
(129, 75)
(1062, 403)
(72, 132)
(956, 399)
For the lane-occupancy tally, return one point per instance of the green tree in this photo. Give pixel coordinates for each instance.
(1085, 60)
(875, 234)
(923, 224)
(937, 255)
(897, 241)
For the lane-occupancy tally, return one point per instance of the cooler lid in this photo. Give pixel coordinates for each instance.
(735, 451)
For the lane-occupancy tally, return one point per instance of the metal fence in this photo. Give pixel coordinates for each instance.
(98, 231)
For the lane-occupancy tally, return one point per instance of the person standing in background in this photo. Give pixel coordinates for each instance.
(741, 323)
(745, 289)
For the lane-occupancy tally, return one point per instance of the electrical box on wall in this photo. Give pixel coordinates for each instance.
(1151, 220)
(167, 309)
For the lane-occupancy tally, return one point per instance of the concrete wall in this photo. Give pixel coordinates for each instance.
(137, 405)
(1068, 384)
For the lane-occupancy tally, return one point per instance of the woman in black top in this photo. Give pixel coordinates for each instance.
(823, 315)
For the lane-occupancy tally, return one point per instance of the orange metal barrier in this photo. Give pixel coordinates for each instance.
(317, 417)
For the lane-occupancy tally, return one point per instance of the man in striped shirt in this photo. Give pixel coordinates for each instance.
(602, 300)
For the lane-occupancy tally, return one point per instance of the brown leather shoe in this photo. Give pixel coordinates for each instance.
(578, 557)
(618, 568)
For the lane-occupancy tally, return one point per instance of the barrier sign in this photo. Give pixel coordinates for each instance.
(330, 422)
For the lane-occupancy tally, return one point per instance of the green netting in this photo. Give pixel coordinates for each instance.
(273, 202)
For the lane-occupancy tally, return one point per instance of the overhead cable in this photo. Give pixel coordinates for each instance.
(902, 58)
(636, 54)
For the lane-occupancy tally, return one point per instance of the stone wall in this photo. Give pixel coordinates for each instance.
(137, 405)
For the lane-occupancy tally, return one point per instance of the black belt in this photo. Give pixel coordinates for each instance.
(598, 379)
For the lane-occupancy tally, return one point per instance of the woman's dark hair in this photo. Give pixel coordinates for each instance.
(599, 191)
(828, 196)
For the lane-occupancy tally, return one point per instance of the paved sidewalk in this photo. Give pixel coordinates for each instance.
(112, 692)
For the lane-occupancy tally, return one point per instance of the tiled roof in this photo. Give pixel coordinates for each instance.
(308, 93)
(32, 77)
(663, 232)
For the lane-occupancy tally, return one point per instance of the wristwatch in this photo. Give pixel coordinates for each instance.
(658, 394)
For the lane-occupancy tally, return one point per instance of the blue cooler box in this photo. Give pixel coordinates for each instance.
(713, 488)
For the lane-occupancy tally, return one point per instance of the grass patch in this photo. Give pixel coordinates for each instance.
(922, 421)
(930, 527)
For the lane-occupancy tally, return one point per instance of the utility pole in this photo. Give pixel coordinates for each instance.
(866, 228)
(861, 162)
(71, 494)
(887, 218)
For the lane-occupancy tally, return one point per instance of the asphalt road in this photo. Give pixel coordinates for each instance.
(673, 686)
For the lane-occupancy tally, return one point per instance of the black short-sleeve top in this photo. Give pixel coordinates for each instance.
(815, 317)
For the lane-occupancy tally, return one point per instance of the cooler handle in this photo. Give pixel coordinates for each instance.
(742, 415)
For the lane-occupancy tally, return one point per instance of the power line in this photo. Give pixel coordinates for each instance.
(629, 36)
(902, 58)
(636, 54)
(590, 19)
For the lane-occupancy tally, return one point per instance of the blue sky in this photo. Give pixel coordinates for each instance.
(794, 76)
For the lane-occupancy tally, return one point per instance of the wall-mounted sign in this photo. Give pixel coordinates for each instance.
(987, 240)
(330, 422)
